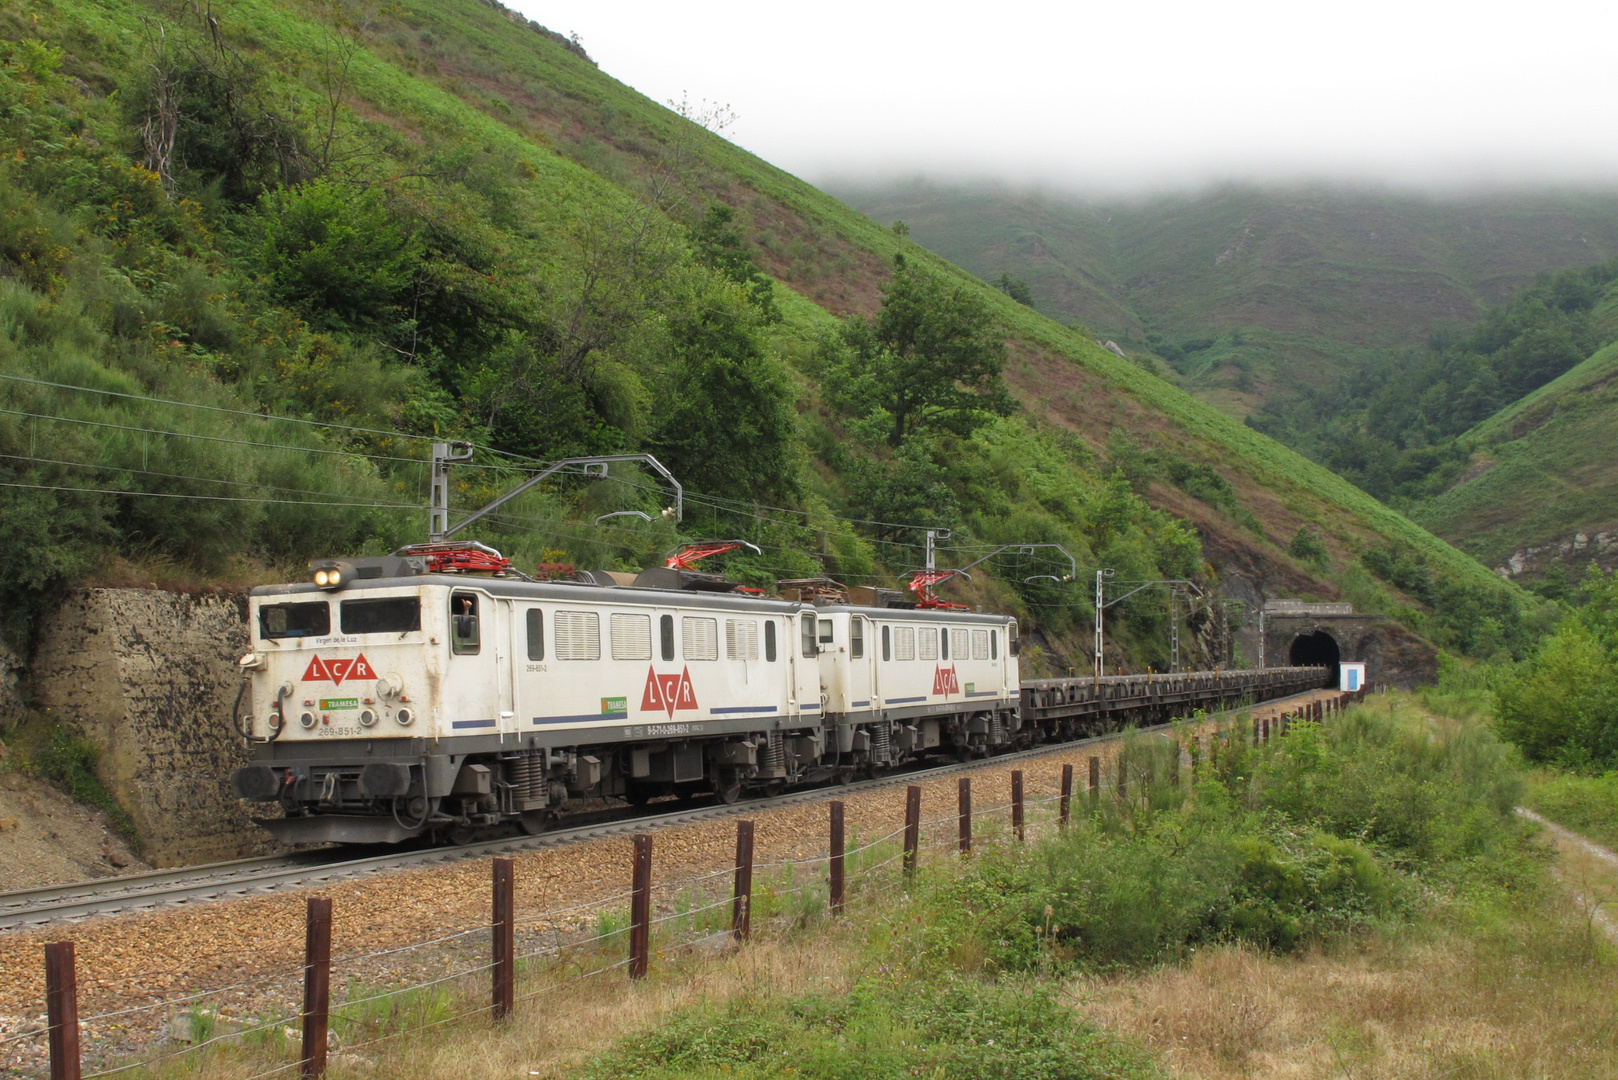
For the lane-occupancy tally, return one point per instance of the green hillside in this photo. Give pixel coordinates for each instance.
(1542, 474)
(1252, 293)
(437, 220)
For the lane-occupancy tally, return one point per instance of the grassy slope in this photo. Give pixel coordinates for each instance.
(588, 136)
(1549, 467)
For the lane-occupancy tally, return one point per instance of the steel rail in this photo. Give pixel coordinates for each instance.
(28, 908)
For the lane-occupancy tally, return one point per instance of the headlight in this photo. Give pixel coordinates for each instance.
(331, 573)
(404, 716)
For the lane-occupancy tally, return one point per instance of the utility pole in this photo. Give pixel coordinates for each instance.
(1101, 607)
(934, 535)
(444, 455)
(1174, 630)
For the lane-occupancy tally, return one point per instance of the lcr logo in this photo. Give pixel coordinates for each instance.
(668, 692)
(335, 671)
(944, 681)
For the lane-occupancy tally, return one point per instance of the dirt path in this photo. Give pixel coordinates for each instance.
(1588, 871)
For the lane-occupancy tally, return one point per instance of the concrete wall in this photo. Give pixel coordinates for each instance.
(150, 676)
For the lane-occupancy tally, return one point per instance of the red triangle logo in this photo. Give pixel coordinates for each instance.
(670, 687)
(944, 681)
(685, 696)
(361, 669)
(339, 670)
(317, 672)
(652, 699)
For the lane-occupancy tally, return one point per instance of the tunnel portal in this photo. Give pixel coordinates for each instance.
(1317, 648)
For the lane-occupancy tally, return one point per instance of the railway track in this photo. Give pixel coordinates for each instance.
(29, 908)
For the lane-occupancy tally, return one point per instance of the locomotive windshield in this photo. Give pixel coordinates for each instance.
(312, 619)
(391, 615)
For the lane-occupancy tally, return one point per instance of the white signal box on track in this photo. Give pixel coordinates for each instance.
(1351, 677)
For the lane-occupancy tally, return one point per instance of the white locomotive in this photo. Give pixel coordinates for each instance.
(433, 691)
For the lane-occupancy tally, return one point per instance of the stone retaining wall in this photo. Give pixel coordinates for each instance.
(150, 676)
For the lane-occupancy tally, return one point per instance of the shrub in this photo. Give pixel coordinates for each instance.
(335, 252)
(947, 1028)
(1306, 546)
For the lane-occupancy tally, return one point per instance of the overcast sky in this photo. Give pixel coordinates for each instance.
(1135, 94)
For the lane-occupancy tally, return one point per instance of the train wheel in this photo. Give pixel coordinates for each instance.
(728, 786)
(535, 822)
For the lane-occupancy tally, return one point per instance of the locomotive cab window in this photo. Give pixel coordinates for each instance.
(943, 644)
(665, 630)
(825, 632)
(1013, 645)
(769, 640)
(856, 638)
(465, 637)
(295, 620)
(994, 644)
(393, 615)
(536, 634)
(887, 644)
(806, 635)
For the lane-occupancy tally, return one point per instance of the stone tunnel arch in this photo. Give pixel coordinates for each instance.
(1317, 648)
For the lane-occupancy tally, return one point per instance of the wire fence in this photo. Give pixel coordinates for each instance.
(697, 908)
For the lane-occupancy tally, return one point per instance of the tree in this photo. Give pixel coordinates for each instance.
(336, 252)
(1015, 288)
(719, 244)
(931, 359)
(724, 419)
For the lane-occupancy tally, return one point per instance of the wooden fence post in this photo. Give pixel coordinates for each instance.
(640, 908)
(1266, 737)
(1067, 793)
(1016, 803)
(62, 1009)
(505, 937)
(964, 802)
(316, 985)
(1095, 782)
(912, 827)
(837, 857)
(1255, 731)
(741, 905)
